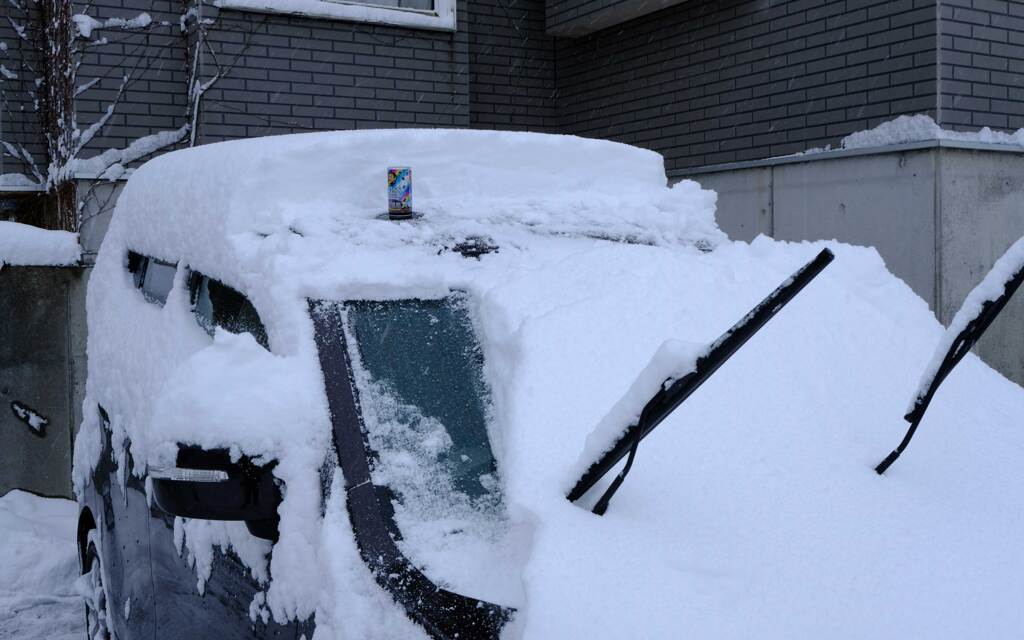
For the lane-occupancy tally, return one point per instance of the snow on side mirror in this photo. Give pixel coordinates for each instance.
(209, 486)
(679, 385)
(980, 308)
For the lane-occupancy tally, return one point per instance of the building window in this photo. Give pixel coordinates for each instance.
(416, 14)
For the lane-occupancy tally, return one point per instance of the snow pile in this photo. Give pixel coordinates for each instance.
(24, 245)
(990, 288)
(752, 511)
(38, 568)
(920, 128)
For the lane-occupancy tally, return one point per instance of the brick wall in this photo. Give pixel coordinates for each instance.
(19, 124)
(298, 74)
(512, 66)
(708, 82)
(154, 97)
(981, 57)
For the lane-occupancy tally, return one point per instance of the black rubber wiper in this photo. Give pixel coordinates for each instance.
(670, 396)
(962, 345)
(443, 614)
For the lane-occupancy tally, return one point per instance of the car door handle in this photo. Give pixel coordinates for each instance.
(179, 474)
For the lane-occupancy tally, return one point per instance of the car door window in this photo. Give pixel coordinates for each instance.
(217, 305)
(154, 278)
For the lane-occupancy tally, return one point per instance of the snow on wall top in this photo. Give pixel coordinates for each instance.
(25, 245)
(919, 128)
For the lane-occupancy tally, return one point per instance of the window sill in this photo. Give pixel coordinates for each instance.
(441, 20)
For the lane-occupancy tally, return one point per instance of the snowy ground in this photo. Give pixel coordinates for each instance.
(38, 568)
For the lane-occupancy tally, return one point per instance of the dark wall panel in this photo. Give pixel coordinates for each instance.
(712, 82)
(511, 66)
(982, 62)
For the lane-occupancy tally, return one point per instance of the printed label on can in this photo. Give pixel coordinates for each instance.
(400, 190)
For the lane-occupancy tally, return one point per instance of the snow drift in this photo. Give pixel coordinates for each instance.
(752, 511)
(38, 568)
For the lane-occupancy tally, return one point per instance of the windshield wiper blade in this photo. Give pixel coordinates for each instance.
(670, 396)
(961, 346)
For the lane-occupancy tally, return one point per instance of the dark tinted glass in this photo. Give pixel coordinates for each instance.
(153, 277)
(425, 367)
(218, 305)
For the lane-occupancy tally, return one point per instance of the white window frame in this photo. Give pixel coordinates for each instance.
(442, 18)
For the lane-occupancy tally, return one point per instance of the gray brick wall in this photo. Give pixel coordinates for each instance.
(512, 66)
(712, 82)
(703, 82)
(154, 99)
(298, 74)
(579, 17)
(19, 124)
(981, 57)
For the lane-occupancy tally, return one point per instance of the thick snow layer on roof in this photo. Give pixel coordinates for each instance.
(38, 568)
(24, 245)
(753, 511)
(920, 128)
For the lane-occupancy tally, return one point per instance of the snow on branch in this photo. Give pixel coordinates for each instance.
(86, 24)
(110, 165)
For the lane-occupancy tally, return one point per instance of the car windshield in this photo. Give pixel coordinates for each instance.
(423, 382)
(418, 369)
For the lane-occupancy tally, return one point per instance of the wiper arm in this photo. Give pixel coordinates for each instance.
(961, 346)
(671, 394)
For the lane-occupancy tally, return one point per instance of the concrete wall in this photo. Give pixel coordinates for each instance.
(939, 214)
(982, 205)
(42, 367)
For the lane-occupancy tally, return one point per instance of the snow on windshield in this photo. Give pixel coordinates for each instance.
(447, 493)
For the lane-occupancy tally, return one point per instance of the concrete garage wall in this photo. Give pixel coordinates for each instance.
(982, 204)
(840, 199)
(42, 367)
(939, 213)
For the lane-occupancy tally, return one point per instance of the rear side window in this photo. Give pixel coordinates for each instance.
(154, 278)
(217, 305)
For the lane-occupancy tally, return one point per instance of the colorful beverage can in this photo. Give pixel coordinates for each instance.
(400, 192)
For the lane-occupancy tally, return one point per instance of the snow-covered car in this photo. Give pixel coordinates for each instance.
(306, 419)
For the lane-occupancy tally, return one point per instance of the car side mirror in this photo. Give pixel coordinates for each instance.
(207, 485)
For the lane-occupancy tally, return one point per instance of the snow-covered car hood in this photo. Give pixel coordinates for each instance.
(752, 510)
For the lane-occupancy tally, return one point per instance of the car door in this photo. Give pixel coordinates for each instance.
(124, 538)
(222, 609)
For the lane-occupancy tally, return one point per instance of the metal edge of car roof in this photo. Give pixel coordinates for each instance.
(837, 154)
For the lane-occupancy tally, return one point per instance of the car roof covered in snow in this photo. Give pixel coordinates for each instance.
(221, 200)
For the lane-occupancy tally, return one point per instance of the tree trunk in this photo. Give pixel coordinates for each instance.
(57, 112)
